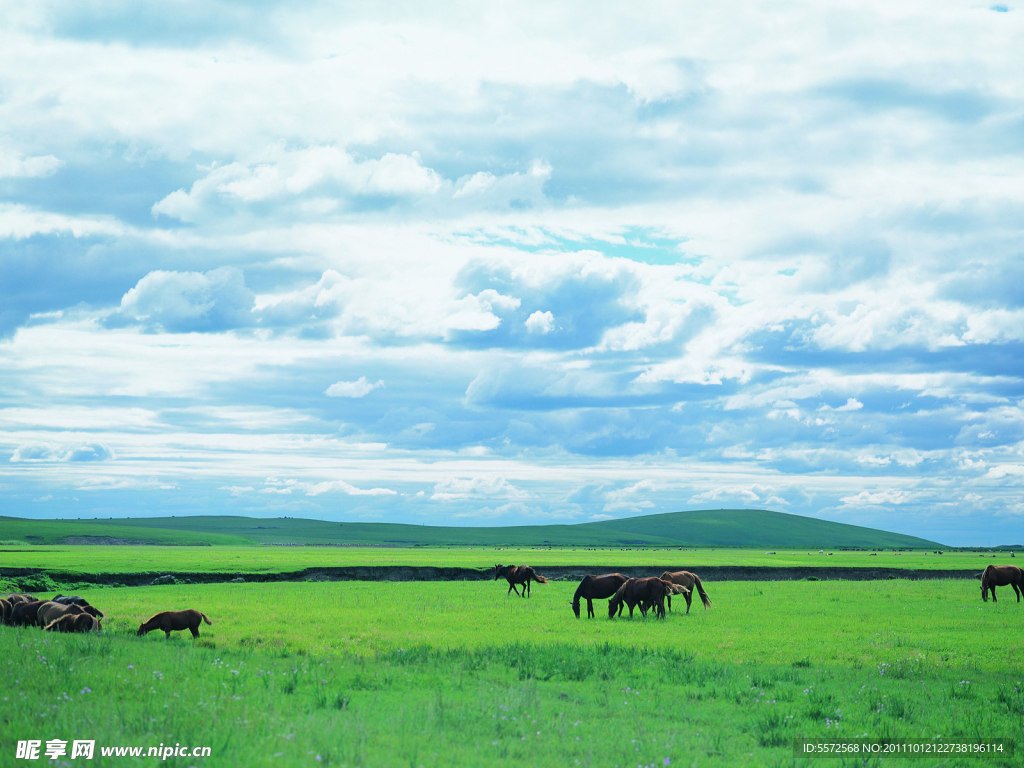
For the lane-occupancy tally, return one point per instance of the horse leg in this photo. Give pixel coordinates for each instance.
(511, 587)
(195, 631)
(689, 599)
(526, 588)
(1016, 589)
(590, 608)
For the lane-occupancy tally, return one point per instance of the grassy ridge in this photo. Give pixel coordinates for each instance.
(457, 674)
(707, 528)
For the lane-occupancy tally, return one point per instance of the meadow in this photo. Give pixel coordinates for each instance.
(459, 674)
(86, 559)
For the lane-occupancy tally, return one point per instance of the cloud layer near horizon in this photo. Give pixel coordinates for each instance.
(513, 265)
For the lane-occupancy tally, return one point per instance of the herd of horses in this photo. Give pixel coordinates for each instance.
(621, 591)
(71, 613)
(653, 591)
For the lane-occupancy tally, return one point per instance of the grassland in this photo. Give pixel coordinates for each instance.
(700, 528)
(458, 674)
(79, 562)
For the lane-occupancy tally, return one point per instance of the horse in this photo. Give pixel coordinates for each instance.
(24, 614)
(690, 581)
(518, 574)
(5, 610)
(74, 622)
(172, 621)
(596, 587)
(999, 576)
(81, 602)
(647, 592)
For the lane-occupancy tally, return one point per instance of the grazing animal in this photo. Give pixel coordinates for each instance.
(689, 580)
(999, 576)
(24, 614)
(19, 597)
(49, 611)
(518, 574)
(596, 588)
(646, 592)
(74, 622)
(5, 610)
(172, 621)
(81, 602)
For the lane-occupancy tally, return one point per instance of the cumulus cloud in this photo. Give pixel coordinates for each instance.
(182, 302)
(354, 389)
(16, 165)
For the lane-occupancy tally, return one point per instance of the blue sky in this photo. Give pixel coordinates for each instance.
(514, 263)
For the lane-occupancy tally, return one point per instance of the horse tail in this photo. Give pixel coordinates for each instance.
(540, 578)
(700, 591)
(204, 618)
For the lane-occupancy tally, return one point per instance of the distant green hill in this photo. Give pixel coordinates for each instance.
(703, 528)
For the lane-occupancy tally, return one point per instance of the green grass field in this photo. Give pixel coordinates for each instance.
(458, 674)
(85, 559)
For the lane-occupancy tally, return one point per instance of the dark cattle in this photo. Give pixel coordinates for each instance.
(5, 611)
(596, 588)
(172, 621)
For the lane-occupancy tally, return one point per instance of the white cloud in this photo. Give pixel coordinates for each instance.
(354, 389)
(16, 165)
(190, 301)
(540, 322)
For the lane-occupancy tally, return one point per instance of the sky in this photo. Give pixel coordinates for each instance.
(514, 262)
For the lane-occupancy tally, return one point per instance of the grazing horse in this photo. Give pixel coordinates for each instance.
(596, 587)
(999, 576)
(645, 592)
(74, 622)
(518, 574)
(689, 580)
(172, 621)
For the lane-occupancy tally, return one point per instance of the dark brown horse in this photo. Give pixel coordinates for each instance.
(689, 580)
(646, 592)
(518, 574)
(74, 622)
(999, 576)
(596, 588)
(172, 621)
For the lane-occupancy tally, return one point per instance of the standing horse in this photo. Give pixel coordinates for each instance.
(689, 580)
(596, 587)
(999, 576)
(647, 593)
(518, 574)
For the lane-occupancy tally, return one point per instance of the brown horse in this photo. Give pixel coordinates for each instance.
(172, 621)
(999, 576)
(596, 587)
(518, 574)
(646, 592)
(689, 580)
(74, 622)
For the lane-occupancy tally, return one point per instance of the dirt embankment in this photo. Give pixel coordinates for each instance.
(709, 573)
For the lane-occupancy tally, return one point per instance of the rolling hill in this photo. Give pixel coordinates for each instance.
(702, 528)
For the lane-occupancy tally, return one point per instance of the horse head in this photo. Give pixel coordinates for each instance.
(497, 571)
